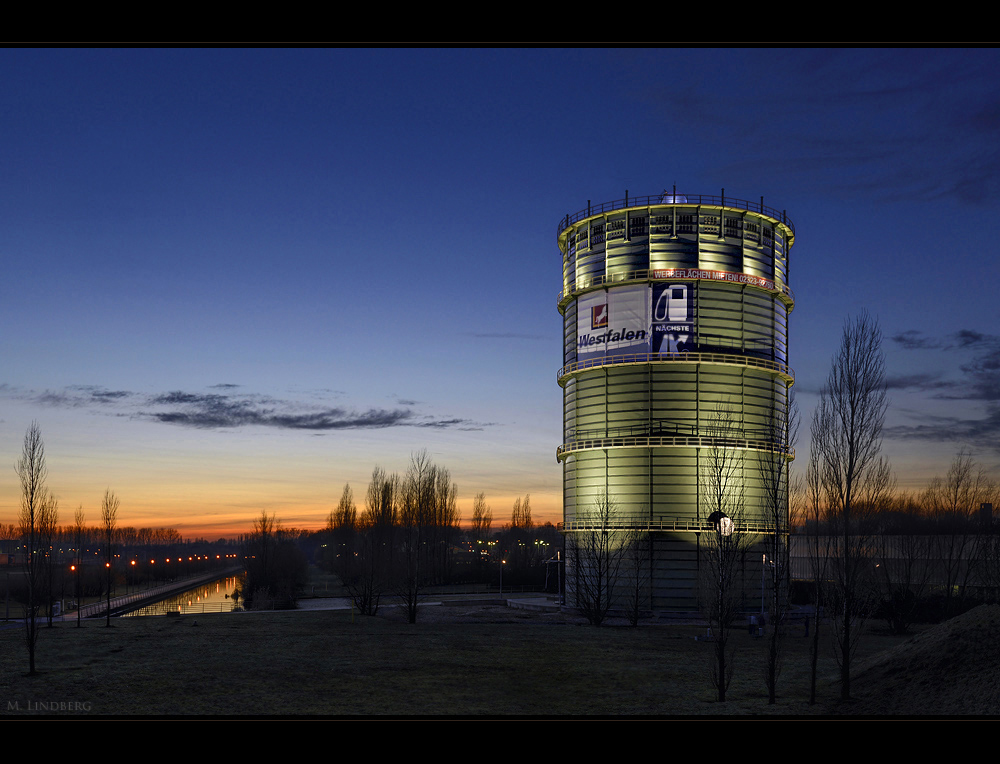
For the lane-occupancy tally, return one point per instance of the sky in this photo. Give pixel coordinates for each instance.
(236, 280)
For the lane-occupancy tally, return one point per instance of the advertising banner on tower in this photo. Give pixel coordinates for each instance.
(672, 318)
(637, 319)
(613, 323)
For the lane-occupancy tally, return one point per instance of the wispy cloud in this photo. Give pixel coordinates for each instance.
(982, 433)
(228, 410)
(967, 368)
(914, 340)
(876, 123)
(918, 382)
(978, 377)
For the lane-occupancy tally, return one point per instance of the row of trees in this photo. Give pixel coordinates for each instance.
(401, 540)
(276, 568)
(127, 537)
(38, 527)
(405, 536)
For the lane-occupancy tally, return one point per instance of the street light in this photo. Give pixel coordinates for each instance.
(76, 576)
(723, 523)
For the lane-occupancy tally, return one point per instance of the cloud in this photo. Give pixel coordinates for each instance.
(883, 124)
(966, 338)
(981, 433)
(214, 411)
(75, 396)
(979, 376)
(178, 397)
(983, 372)
(918, 382)
(464, 425)
(974, 378)
(235, 410)
(914, 340)
(110, 396)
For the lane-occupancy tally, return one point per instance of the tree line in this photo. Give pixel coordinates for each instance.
(38, 527)
(406, 535)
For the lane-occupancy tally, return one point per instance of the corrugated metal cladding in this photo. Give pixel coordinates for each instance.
(675, 313)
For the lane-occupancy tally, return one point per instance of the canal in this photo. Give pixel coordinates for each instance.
(211, 597)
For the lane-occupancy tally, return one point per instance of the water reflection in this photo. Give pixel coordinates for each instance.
(214, 597)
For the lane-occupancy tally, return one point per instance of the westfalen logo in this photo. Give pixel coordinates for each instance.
(599, 316)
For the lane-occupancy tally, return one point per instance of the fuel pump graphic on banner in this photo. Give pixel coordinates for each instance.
(672, 324)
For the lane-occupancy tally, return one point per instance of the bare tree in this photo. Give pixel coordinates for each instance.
(417, 508)
(366, 571)
(637, 557)
(819, 554)
(79, 529)
(48, 531)
(518, 536)
(341, 527)
(109, 522)
(847, 435)
(597, 553)
(32, 472)
(345, 516)
(482, 522)
(903, 553)
(954, 504)
(482, 518)
(408, 577)
(853, 593)
(727, 543)
(521, 515)
(444, 524)
(258, 553)
(276, 568)
(772, 466)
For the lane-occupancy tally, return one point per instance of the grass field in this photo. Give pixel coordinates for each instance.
(460, 660)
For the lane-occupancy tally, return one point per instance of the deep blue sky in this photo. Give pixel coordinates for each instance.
(238, 279)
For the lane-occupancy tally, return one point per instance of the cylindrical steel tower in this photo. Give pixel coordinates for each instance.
(675, 315)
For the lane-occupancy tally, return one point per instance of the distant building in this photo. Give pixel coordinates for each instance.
(675, 317)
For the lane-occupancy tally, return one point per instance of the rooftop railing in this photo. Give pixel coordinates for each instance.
(673, 198)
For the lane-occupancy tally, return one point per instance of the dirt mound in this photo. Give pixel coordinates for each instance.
(951, 669)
